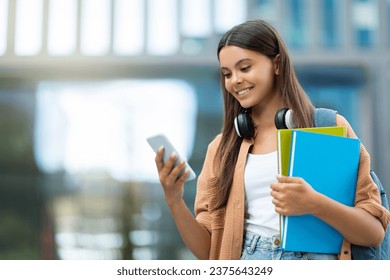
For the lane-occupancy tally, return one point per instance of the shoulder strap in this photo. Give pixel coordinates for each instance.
(324, 117)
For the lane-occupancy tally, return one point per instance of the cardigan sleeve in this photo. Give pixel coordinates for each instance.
(367, 195)
(206, 177)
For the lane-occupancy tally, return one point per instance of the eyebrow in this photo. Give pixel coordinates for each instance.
(237, 63)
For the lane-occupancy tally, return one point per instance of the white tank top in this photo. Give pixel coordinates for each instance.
(260, 216)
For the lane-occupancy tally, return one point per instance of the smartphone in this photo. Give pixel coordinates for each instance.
(159, 140)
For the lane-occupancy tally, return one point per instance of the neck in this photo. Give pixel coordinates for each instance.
(264, 117)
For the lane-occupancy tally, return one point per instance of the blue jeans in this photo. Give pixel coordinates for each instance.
(256, 247)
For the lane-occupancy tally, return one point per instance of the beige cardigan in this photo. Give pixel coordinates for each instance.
(226, 225)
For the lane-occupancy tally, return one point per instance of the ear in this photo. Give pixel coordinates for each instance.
(277, 64)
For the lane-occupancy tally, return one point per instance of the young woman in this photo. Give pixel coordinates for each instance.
(239, 198)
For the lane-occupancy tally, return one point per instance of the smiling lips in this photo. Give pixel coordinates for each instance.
(244, 91)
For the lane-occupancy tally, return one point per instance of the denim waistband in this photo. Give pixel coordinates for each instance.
(261, 242)
(260, 247)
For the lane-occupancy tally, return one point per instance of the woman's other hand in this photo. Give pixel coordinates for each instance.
(293, 196)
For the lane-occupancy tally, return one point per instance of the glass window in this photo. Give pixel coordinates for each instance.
(330, 24)
(297, 28)
(196, 18)
(95, 27)
(264, 9)
(62, 27)
(162, 27)
(102, 126)
(28, 37)
(229, 13)
(388, 21)
(365, 22)
(196, 26)
(3, 25)
(129, 27)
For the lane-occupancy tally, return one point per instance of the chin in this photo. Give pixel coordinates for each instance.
(246, 105)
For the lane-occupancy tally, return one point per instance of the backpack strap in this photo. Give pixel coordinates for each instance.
(324, 117)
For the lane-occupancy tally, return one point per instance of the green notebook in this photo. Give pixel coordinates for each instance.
(284, 143)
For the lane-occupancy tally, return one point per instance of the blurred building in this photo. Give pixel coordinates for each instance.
(83, 82)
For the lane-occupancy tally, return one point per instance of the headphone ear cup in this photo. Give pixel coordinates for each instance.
(244, 126)
(237, 127)
(280, 121)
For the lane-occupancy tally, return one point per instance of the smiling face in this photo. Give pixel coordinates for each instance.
(248, 75)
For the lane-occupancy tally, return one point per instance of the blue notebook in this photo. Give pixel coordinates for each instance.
(330, 165)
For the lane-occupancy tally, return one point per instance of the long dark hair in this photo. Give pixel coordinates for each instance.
(259, 36)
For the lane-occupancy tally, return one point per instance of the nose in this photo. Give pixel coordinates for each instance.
(236, 78)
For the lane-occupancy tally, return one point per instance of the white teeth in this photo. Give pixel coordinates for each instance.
(241, 92)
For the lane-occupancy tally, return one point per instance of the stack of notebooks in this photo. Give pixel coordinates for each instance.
(329, 162)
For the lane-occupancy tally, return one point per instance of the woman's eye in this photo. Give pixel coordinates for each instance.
(245, 68)
(226, 75)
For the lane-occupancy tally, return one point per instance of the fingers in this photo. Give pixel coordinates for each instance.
(283, 179)
(290, 195)
(285, 183)
(279, 205)
(166, 167)
(288, 179)
(159, 158)
(169, 173)
(177, 169)
(183, 178)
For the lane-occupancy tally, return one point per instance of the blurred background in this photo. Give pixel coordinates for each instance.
(84, 82)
